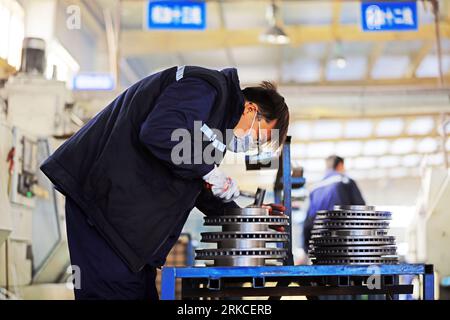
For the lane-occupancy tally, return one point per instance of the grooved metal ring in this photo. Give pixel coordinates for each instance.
(354, 251)
(370, 215)
(317, 233)
(276, 220)
(336, 241)
(217, 236)
(350, 224)
(356, 261)
(217, 253)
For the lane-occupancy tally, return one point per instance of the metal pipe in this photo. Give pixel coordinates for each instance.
(435, 5)
(445, 124)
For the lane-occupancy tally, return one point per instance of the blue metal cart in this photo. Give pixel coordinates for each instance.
(315, 280)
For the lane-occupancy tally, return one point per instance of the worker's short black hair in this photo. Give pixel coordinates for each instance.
(333, 161)
(271, 106)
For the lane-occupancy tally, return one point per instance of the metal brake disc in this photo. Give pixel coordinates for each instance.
(268, 236)
(223, 220)
(319, 233)
(355, 240)
(267, 253)
(349, 224)
(368, 215)
(356, 260)
(368, 251)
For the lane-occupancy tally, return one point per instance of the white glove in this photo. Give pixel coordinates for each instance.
(222, 186)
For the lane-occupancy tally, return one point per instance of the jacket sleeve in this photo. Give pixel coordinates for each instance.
(209, 205)
(178, 107)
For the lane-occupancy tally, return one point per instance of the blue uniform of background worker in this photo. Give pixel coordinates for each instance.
(127, 199)
(335, 188)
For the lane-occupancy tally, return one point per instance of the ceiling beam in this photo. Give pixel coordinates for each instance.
(387, 83)
(330, 47)
(223, 26)
(128, 71)
(172, 41)
(417, 59)
(377, 50)
(433, 134)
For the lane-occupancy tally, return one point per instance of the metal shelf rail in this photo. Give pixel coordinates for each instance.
(313, 280)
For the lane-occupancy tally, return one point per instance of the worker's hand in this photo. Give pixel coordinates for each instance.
(222, 186)
(276, 210)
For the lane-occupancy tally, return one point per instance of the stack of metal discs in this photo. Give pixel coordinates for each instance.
(352, 235)
(244, 238)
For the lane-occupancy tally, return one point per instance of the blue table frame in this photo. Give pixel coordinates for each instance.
(259, 274)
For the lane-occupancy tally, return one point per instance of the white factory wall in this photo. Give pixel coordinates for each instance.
(392, 192)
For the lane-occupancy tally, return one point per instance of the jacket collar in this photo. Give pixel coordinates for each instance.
(235, 97)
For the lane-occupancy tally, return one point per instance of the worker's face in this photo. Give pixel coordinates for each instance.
(249, 118)
(340, 167)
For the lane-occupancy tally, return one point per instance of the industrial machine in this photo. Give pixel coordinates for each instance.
(33, 244)
(248, 274)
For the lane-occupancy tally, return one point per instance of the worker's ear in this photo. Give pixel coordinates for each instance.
(250, 107)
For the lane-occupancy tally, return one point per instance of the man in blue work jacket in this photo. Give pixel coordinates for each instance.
(336, 188)
(128, 196)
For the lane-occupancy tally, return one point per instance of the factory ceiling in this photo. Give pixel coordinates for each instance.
(320, 32)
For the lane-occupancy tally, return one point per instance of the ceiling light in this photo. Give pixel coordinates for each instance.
(274, 33)
(339, 59)
(340, 62)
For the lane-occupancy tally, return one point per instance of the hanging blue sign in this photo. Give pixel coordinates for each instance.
(389, 16)
(176, 15)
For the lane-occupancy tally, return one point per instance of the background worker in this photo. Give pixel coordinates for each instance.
(336, 188)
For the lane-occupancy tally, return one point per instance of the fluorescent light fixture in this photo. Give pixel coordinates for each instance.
(314, 165)
(411, 160)
(402, 146)
(421, 126)
(358, 128)
(349, 148)
(299, 150)
(364, 163)
(427, 145)
(301, 129)
(435, 159)
(375, 147)
(324, 129)
(388, 161)
(390, 127)
(320, 149)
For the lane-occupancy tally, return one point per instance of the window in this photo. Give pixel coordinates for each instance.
(12, 31)
(66, 65)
